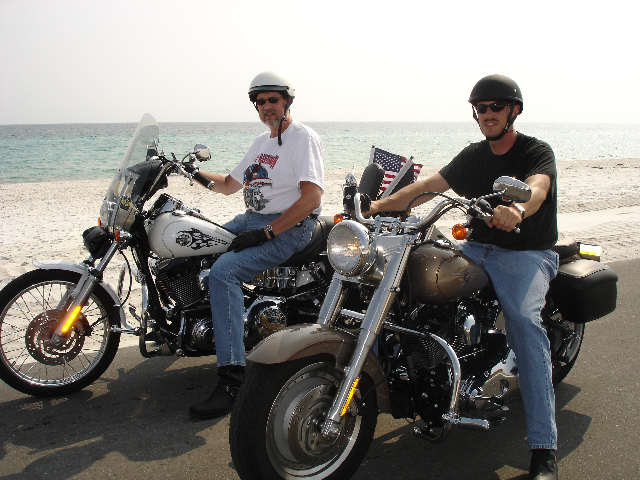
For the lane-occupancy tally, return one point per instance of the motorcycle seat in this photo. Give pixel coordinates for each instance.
(318, 242)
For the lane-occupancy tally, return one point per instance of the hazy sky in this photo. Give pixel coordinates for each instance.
(110, 61)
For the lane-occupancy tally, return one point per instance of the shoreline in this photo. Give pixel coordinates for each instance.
(598, 202)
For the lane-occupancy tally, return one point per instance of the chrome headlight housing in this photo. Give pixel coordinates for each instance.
(349, 248)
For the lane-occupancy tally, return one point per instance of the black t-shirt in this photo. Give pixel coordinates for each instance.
(472, 173)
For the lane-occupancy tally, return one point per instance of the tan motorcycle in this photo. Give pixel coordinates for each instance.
(410, 327)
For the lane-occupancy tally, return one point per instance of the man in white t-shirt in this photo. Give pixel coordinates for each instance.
(282, 179)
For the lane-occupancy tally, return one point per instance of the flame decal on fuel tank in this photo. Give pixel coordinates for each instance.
(195, 239)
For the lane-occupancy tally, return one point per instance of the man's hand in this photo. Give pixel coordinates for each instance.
(505, 218)
(250, 238)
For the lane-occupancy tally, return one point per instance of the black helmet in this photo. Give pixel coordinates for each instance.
(496, 87)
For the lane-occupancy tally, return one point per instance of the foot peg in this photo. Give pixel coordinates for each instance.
(476, 423)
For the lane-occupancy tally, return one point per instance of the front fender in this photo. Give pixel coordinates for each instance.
(82, 269)
(307, 340)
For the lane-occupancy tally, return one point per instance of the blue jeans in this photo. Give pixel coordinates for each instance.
(521, 280)
(231, 269)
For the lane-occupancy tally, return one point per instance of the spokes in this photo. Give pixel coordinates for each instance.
(27, 324)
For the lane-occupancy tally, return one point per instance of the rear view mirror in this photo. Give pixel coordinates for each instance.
(512, 189)
(202, 152)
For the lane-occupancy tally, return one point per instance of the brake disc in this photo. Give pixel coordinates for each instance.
(38, 339)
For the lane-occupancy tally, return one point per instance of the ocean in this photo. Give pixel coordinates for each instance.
(40, 153)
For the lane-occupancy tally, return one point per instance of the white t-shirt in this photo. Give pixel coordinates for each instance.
(271, 173)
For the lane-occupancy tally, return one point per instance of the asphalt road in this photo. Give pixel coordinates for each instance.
(133, 422)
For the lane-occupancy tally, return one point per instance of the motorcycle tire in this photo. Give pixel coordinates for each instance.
(277, 418)
(565, 340)
(28, 316)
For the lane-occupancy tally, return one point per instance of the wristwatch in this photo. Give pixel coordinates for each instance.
(268, 230)
(521, 209)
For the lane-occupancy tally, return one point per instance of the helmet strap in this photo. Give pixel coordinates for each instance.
(280, 130)
(512, 118)
(284, 117)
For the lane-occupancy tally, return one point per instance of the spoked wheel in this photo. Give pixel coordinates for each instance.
(31, 306)
(565, 338)
(277, 420)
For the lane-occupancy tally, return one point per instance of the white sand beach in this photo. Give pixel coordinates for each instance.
(599, 202)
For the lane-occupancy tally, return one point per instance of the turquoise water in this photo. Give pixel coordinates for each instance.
(30, 153)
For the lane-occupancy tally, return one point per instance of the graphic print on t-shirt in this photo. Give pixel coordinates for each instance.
(255, 178)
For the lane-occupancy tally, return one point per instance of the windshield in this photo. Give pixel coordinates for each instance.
(118, 207)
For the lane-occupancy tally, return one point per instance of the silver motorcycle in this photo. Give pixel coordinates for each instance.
(60, 324)
(409, 326)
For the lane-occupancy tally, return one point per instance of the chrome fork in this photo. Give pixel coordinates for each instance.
(371, 325)
(83, 290)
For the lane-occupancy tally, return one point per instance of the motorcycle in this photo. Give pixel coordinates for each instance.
(60, 324)
(409, 326)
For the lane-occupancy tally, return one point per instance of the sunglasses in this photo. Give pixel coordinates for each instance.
(495, 107)
(262, 101)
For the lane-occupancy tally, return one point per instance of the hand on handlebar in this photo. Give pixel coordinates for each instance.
(505, 218)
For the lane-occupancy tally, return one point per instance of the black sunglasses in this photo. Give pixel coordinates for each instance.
(495, 107)
(262, 101)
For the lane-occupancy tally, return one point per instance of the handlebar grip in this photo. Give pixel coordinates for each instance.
(202, 180)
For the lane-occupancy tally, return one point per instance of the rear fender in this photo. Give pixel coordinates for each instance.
(82, 269)
(308, 340)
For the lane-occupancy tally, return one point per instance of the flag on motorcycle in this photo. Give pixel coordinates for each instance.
(398, 171)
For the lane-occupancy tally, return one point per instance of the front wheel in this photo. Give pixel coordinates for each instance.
(277, 419)
(31, 306)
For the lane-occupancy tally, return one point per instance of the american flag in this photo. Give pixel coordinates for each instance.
(392, 164)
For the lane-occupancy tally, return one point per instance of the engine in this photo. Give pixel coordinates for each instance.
(420, 370)
(178, 279)
(289, 279)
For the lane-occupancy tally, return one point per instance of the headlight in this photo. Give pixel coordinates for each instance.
(349, 249)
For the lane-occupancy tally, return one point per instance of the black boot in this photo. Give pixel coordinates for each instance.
(219, 403)
(544, 465)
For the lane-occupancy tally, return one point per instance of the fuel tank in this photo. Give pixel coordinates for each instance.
(178, 234)
(439, 273)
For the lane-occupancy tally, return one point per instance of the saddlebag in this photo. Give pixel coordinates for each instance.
(585, 290)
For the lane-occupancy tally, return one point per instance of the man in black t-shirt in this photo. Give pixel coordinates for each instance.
(520, 265)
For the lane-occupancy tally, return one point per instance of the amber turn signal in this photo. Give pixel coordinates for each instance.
(459, 231)
(99, 222)
(337, 218)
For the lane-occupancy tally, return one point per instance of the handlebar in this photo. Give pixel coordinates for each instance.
(202, 180)
(477, 208)
(173, 164)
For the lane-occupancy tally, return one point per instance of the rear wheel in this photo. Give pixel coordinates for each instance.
(31, 306)
(278, 416)
(565, 339)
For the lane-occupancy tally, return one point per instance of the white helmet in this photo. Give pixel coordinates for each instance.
(270, 82)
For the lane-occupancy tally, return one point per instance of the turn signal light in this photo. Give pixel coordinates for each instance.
(459, 231)
(99, 222)
(337, 218)
(116, 235)
(592, 252)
